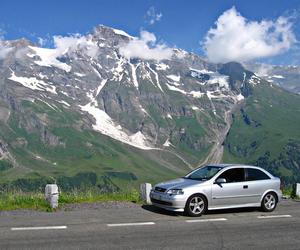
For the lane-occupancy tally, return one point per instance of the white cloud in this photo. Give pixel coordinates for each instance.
(4, 50)
(21, 53)
(41, 41)
(237, 39)
(65, 45)
(145, 48)
(152, 16)
(68, 44)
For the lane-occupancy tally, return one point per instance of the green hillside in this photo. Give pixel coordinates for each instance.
(266, 132)
(81, 158)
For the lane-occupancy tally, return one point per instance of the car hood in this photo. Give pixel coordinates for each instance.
(178, 183)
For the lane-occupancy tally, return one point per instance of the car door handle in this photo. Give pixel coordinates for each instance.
(245, 186)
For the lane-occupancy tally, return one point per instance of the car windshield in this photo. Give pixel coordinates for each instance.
(204, 173)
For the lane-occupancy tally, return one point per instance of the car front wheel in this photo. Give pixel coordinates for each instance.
(269, 202)
(196, 205)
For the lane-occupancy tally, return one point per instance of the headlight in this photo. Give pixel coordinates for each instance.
(175, 191)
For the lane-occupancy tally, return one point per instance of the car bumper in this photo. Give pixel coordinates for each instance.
(168, 202)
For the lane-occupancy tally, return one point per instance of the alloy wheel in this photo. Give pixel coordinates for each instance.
(197, 205)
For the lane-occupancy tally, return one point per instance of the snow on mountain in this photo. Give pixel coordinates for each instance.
(122, 33)
(91, 76)
(277, 76)
(48, 58)
(105, 125)
(162, 66)
(33, 83)
(174, 78)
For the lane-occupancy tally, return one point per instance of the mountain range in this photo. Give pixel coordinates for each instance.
(85, 115)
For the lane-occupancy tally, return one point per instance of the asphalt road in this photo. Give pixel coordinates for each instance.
(129, 226)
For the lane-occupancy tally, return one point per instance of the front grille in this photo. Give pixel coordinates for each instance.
(161, 202)
(160, 189)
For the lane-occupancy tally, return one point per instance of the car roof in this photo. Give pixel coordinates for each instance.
(225, 165)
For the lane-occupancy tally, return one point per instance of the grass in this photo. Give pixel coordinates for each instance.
(90, 197)
(14, 200)
(19, 200)
(290, 193)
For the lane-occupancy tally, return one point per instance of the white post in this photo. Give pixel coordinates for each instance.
(297, 189)
(52, 195)
(145, 189)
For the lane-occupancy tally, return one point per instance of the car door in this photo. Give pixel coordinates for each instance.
(232, 193)
(257, 182)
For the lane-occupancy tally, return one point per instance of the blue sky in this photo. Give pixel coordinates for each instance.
(183, 24)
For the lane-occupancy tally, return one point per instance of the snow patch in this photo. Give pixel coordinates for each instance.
(134, 77)
(156, 77)
(174, 78)
(169, 116)
(96, 72)
(122, 33)
(244, 78)
(105, 125)
(278, 76)
(170, 87)
(100, 87)
(64, 102)
(214, 77)
(33, 83)
(42, 76)
(143, 110)
(202, 71)
(48, 58)
(167, 143)
(254, 80)
(240, 97)
(50, 106)
(222, 80)
(79, 74)
(196, 94)
(162, 66)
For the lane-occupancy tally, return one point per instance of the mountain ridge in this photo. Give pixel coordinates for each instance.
(84, 103)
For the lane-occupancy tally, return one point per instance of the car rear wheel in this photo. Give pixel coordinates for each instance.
(196, 205)
(269, 202)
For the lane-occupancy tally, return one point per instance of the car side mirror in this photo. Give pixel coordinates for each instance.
(220, 181)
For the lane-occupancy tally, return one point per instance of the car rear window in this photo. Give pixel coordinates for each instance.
(254, 174)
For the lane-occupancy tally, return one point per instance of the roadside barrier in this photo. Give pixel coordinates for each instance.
(145, 189)
(52, 195)
(297, 189)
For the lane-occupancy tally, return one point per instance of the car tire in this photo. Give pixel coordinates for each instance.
(269, 202)
(196, 205)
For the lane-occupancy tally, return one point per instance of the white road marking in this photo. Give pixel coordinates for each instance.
(38, 228)
(274, 216)
(206, 220)
(131, 224)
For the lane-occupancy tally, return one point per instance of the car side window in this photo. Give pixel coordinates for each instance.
(233, 175)
(254, 174)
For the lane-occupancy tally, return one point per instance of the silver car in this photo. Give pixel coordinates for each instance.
(218, 186)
